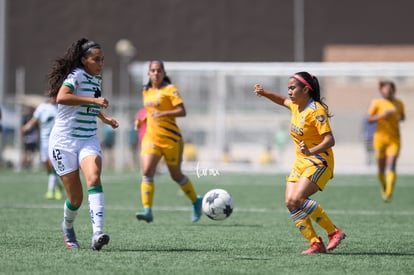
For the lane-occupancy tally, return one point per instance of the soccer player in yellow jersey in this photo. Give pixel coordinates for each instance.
(387, 112)
(163, 139)
(314, 162)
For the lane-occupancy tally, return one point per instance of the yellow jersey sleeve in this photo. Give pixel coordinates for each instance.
(321, 122)
(174, 95)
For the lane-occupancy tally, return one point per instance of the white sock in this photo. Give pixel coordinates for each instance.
(97, 211)
(51, 182)
(68, 216)
(56, 181)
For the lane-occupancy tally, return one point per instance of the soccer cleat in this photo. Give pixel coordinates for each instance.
(58, 193)
(99, 239)
(145, 215)
(49, 195)
(335, 238)
(385, 197)
(69, 237)
(197, 209)
(316, 247)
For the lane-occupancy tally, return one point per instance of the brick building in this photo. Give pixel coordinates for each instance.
(205, 30)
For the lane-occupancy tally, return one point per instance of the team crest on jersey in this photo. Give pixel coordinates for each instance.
(76, 84)
(97, 92)
(176, 93)
(321, 118)
(154, 103)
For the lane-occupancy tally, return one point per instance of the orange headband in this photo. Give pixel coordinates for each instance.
(303, 81)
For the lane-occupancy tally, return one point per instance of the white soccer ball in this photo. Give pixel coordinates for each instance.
(217, 204)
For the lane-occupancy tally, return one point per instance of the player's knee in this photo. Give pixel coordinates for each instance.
(181, 180)
(93, 180)
(75, 200)
(176, 174)
(293, 203)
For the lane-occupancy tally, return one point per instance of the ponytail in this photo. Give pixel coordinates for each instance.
(305, 79)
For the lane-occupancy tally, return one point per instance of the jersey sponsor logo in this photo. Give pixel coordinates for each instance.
(92, 110)
(154, 103)
(61, 166)
(297, 130)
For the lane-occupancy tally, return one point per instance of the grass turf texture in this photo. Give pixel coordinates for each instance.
(259, 237)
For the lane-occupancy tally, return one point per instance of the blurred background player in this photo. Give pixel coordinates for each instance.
(107, 144)
(314, 163)
(75, 81)
(163, 139)
(387, 112)
(44, 115)
(140, 126)
(30, 138)
(368, 130)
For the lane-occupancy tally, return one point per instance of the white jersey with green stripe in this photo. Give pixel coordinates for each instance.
(79, 121)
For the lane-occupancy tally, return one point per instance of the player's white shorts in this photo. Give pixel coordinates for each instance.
(67, 153)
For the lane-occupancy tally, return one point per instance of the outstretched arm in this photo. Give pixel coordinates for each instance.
(276, 98)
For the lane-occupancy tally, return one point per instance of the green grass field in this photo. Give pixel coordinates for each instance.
(259, 238)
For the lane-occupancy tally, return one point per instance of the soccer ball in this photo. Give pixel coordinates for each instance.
(217, 204)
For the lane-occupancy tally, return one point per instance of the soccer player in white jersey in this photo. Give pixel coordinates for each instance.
(75, 82)
(45, 115)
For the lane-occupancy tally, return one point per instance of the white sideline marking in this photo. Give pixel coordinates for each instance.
(236, 209)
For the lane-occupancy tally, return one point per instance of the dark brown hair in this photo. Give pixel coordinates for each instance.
(166, 78)
(315, 91)
(63, 66)
(383, 83)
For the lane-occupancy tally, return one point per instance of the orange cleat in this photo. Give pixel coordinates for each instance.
(316, 247)
(335, 238)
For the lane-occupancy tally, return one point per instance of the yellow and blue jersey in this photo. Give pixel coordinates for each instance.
(388, 129)
(162, 130)
(309, 126)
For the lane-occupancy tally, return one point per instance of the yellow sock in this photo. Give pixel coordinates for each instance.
(187, 186)
(147, 193)
(391, 176)
(381, 178)
(306, 229)
(319, 215)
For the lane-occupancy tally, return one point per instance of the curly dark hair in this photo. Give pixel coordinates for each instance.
(63, 66)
